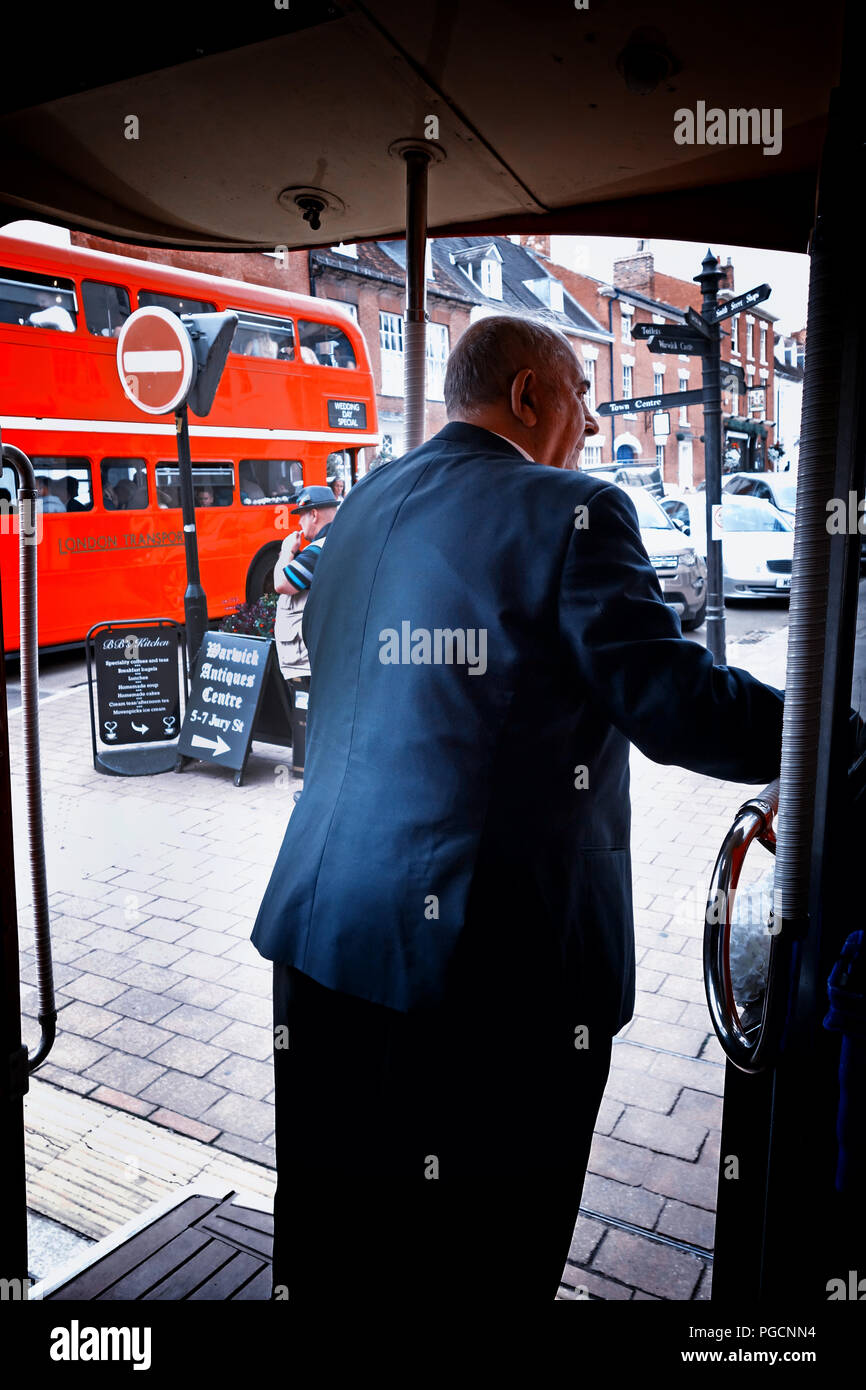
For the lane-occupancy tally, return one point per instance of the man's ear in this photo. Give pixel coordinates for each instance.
(523, 400)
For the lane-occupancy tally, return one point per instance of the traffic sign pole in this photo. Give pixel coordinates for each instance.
(194, 599)
(709, 281)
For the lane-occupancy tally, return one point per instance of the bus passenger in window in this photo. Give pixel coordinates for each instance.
(47, 501)
(50, 314)
(123, 491)
(72, 502)
(204, 497)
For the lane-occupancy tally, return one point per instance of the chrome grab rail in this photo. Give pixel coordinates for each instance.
(750, 1051)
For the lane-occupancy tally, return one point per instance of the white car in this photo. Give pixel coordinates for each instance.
(780, 489)
(757, 541)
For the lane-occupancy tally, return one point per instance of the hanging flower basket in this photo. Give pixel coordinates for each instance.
(253, 619)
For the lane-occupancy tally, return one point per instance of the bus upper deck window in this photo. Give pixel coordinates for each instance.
(325, 345)
(172, 302)
(263, 335)
(63, 484)
(106, 308)
(37, 301)
(124, 484)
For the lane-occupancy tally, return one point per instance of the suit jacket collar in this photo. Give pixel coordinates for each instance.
(479, 438)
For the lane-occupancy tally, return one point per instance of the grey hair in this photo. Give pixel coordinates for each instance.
(492, 351)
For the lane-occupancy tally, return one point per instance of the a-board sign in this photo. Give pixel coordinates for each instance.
(136, 714)
(662, 402)
(237, 694)
(137, 686)
(347, 415)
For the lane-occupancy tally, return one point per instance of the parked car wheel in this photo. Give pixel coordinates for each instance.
(689, 624)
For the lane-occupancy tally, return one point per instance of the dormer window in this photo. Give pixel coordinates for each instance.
(548, 290)
(483, 265)
(491, 277)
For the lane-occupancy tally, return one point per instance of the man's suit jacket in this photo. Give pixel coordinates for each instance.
(443, 800)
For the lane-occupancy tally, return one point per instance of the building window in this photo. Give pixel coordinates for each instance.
(391, 351)
(763, 333)
(658, 383)
(660, 458)
(750, 339)
(106, 307)
(684, 386)
(625, 322)
(735, 336)
(437, 357)
(351, 308)
(589, 368)
(627, 379)
(491, 277)
(592, 456)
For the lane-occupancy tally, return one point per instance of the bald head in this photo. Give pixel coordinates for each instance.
(523, 380)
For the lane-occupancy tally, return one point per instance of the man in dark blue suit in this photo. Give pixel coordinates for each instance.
(450, 915)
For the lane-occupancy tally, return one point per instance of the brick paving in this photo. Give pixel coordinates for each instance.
(165, 1006)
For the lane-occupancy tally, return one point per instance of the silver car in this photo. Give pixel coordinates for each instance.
(757, 541)
(780, 489)
(681, 570)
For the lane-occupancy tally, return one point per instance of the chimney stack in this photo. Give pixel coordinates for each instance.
(636, 272)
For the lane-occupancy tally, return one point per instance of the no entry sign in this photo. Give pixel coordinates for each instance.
(155, 360)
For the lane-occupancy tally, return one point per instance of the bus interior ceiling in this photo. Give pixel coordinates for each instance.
(578, 141)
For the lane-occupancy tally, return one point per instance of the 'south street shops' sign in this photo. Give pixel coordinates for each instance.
(137, 695)
(237, 694)
(742, 301)
(664, 402)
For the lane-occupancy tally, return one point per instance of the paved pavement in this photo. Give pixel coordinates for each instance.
(165, 1005)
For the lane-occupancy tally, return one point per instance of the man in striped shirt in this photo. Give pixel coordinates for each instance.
(293, 575)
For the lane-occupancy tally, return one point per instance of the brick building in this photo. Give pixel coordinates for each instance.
(639, 293)
(468, 277)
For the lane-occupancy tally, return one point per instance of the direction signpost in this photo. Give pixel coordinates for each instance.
(679, 341)
(701, 336)
(666, 401)
(737, 304)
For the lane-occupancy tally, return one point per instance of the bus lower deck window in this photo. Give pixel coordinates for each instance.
(63, 483)
(124, 484)
(263, 481)
(213, 485)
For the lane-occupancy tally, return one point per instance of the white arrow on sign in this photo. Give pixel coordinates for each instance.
(141, 728)
(218, 744)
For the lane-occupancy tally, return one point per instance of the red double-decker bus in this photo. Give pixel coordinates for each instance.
(296, 405)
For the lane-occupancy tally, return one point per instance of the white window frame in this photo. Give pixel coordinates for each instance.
(658, 381)
(683, 385)
(437, 358)
(589, 368)
(735, 336)
(626, 314)
(750, 338)
(660, 458)
(491, 277)
(391, 352)
(762, 332)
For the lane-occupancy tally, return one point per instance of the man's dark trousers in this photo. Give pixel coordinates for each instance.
(435, 1155)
